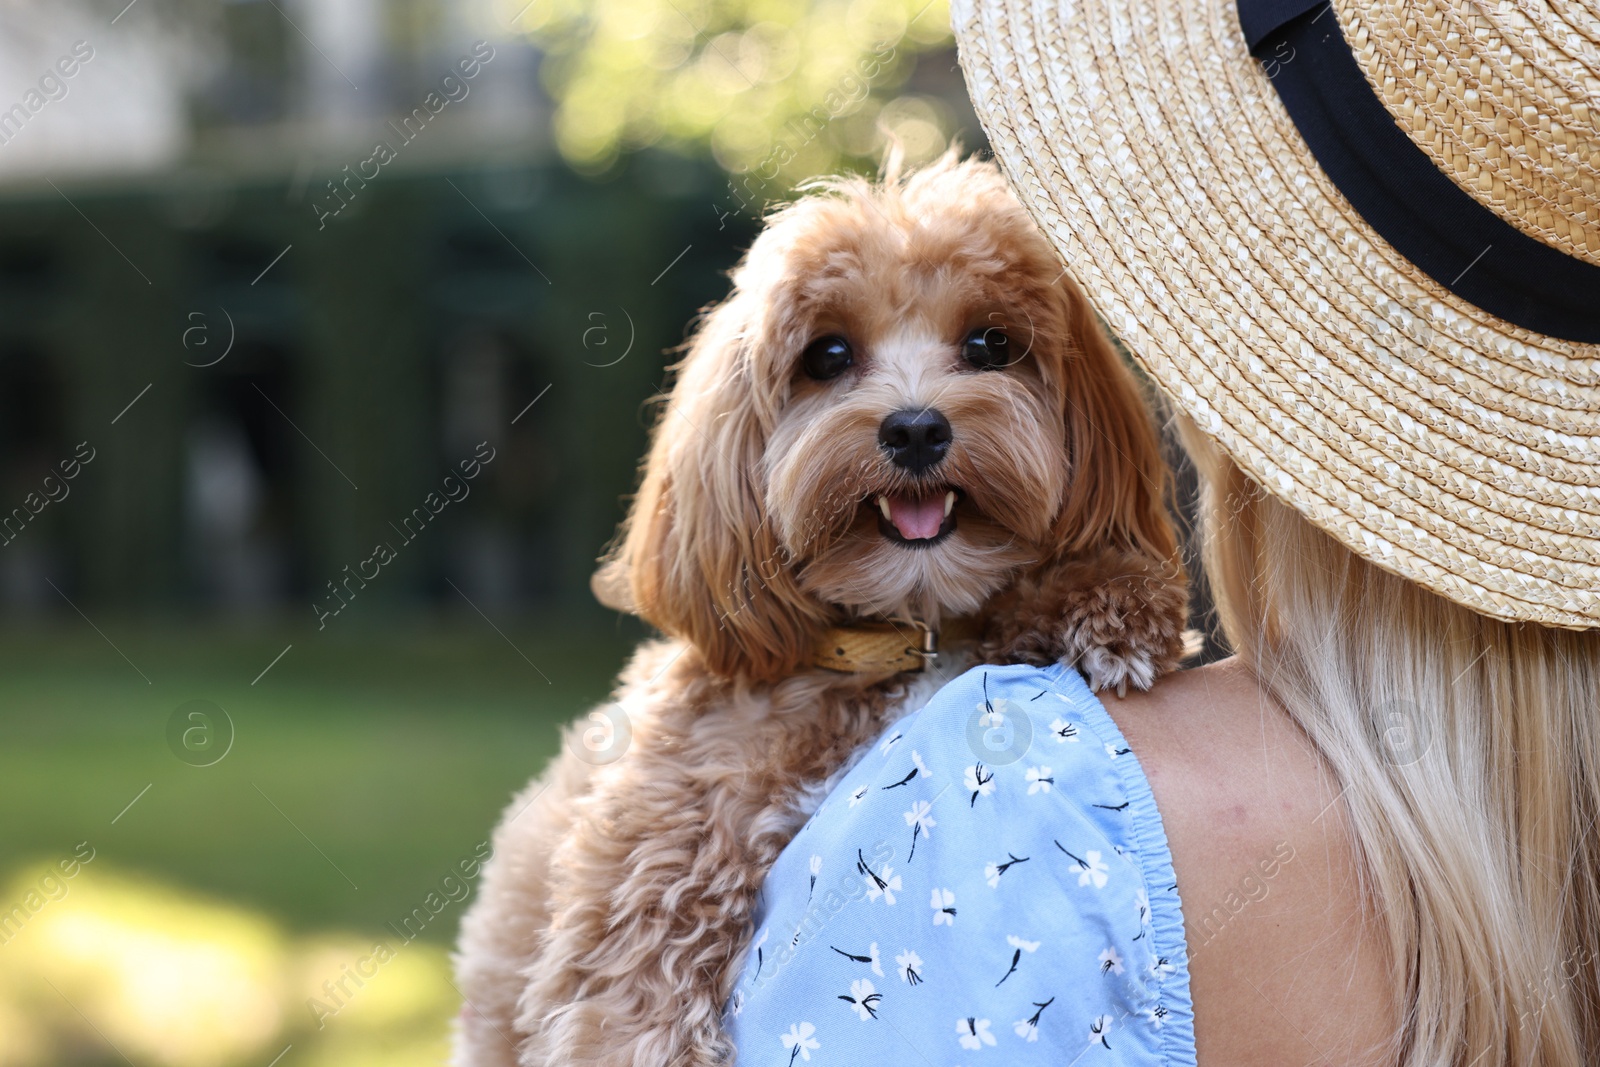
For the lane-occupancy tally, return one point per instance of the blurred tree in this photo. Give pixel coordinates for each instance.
(777, 89)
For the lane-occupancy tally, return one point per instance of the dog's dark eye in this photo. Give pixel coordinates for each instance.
(827, 357)
(987, 348)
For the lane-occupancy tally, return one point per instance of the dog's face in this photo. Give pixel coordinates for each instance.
(913, 344)
(903, 405)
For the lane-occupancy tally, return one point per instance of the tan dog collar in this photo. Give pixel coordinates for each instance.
(887, 647)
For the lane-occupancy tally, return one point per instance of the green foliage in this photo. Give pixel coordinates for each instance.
(788, 87)
(219, 918)
(393, 750)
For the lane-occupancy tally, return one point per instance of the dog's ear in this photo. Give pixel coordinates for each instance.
(1119, 485)
(1113, 597)
(696, 557)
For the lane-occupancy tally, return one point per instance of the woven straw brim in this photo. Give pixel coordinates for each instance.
(1502, 98)
(1437, 441)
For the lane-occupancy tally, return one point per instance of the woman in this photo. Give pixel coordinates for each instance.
(1357, 246)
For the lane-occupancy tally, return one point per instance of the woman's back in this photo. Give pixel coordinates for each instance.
(1284, 967)
(1056, 867)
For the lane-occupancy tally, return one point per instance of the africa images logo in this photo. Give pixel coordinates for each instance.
(452, 89)
(52, 86)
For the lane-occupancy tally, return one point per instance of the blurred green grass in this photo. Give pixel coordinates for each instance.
(389, 752)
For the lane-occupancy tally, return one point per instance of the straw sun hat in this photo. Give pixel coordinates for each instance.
(1358, 244)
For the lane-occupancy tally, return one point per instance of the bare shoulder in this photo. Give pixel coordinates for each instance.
(1285, 966)
(1222, 755)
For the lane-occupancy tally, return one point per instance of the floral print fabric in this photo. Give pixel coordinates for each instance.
(989, 884)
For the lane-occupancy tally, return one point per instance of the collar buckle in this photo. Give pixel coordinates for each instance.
(886, 645)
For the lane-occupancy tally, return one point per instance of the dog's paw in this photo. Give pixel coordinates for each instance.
(1119, 664)
(1122, 632)
(1116, 618)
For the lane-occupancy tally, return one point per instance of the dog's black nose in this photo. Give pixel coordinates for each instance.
(915, 438)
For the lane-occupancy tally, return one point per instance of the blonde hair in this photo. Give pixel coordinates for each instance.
(1468, 750)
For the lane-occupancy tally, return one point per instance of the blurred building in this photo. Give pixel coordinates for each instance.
(281, 267)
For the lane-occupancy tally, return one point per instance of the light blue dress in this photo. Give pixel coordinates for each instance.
(989, 884)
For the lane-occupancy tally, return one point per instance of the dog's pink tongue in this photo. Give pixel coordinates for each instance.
(916, 519)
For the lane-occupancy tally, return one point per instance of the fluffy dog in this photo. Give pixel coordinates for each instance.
(904, 414)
